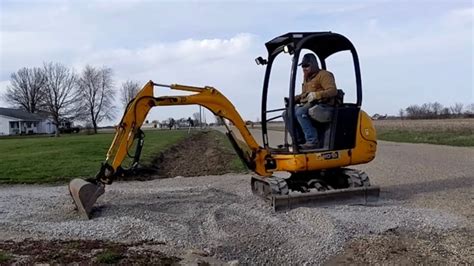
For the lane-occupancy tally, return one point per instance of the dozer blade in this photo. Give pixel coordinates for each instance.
(347, 196)
(85, 194)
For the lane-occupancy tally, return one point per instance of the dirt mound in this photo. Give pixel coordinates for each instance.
(202, 153)
(82, 252)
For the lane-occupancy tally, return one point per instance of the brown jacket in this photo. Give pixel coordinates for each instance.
(322, 82)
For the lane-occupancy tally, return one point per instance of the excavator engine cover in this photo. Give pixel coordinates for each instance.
(85, 194)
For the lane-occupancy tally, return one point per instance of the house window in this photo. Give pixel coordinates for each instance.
(14, 125)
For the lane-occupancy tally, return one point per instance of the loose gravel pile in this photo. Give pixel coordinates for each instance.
(217, 215)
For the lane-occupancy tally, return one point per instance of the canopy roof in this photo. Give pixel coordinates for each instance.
(322, 44)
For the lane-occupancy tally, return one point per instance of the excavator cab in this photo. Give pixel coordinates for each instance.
(314, 177)
(335, 124)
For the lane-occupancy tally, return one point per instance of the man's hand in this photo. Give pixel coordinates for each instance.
(301, 97)
(313, 96)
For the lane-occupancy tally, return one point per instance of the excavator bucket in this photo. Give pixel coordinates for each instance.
(85, 194)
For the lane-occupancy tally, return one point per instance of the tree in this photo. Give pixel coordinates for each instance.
(197, 118)
(413, 111)
(171, 123)
(60, 95)
(445, 113)
(401, 112)
(437, 108)
(219, 121)
(456, 109)
(128, 91)
(97, 94)
(470, 109)
(26, 89)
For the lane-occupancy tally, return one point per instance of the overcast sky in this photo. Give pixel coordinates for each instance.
(411, 52)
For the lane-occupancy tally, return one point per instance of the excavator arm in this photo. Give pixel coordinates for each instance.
(86, 192)
(129, 127)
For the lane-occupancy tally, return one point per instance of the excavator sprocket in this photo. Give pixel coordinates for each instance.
(85, 194)
(342, 187)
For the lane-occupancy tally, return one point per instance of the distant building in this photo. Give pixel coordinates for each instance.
(147, 125)
(16, 121)
(379, 117)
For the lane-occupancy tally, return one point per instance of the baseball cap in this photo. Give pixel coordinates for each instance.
(308, 59)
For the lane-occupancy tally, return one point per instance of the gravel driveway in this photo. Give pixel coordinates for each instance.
(425, 190)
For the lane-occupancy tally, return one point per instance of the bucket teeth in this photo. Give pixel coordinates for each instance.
(85, 194)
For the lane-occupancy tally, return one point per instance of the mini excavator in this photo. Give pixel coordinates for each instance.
(316, 177)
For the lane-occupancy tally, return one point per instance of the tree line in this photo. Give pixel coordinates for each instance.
(66, 95)
(436, 110)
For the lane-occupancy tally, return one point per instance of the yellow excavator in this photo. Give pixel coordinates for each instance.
(318, 176)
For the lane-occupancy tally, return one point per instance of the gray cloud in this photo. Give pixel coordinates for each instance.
(214, 43)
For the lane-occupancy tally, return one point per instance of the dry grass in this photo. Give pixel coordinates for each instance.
(429, 125)
(453, 132)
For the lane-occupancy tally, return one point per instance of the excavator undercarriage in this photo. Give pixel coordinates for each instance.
(318, 188)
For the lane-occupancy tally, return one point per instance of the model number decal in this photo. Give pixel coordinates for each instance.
(330, 155)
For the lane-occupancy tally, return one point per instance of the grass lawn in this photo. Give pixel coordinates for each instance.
(50, 159)
(236, 165)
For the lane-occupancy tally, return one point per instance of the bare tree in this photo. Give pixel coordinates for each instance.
(219, 120)
(445, 113)
(469, 109)
(128, 91)
(413, 112)
(97, 94)
(437, 108)
(401, 112)
(60, 96)
(26, 89)
(456, 109)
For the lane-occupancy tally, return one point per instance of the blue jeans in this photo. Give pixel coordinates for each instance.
(299, 138)
(310, 132)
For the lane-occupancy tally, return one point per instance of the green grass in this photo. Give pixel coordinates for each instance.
(236, 165)
(50, 159)
(108, 257)
(4, 257)
(460, 138)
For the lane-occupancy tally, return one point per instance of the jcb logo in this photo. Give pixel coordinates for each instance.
(330, 155)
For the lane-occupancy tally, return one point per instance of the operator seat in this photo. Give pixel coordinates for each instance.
(326, 126)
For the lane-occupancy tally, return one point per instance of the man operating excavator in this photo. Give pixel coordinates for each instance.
(318, 176)
(318, 87)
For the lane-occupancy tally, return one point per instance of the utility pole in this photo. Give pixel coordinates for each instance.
(200, 116)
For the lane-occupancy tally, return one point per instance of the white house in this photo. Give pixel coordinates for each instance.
(16, 121)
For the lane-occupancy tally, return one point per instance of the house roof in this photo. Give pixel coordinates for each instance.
(20, 114)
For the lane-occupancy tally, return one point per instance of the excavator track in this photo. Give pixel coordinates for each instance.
(316, 189)
(267, 187)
